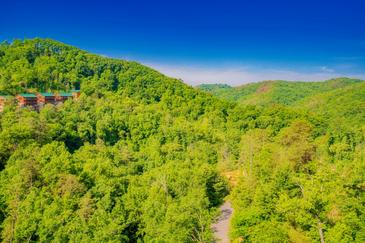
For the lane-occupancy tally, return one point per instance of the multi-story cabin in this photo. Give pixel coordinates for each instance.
(38, 100)
(27, 100)
(62, 97)
(2, 103)
(5, 100)
(45, 98)
(75, 94)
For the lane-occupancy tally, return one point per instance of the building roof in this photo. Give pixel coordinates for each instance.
(46, 94)
(28, 95)
(65, 94)
(75, 90)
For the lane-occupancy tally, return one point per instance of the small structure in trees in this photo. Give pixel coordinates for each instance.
(27, 99)
(45, 98)
(62, 97)
(75, 93)
(4, 101)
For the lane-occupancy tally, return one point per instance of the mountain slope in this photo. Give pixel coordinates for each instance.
(337, 101)
(44, 64)
(345, 105)
(133, 159)
(275, 92)
(141, 157)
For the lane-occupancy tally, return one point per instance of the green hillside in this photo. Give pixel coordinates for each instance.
(141, 157)
(340, 106)
(275, 92)
(338, 101)
(122, 163)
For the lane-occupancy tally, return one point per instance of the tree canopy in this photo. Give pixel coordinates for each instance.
(141, 157)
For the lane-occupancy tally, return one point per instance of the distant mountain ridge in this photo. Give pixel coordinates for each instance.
(275, 92)
(339, 101)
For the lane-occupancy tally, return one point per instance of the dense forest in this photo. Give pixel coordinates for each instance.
(304, 182)
(277, 92)
(141, 157)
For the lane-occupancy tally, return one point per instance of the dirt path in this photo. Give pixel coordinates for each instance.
(221, 227)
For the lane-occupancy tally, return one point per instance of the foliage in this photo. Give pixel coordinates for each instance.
(277, 92)
(138, 157)
(133, 159)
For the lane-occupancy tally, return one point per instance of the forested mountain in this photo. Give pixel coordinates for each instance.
(340, 106)
(141, 157)
(319, 186)
(339, 101)
(133, 158)
(276, 92)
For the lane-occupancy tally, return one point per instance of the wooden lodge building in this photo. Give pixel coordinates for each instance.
(45, 98)
(4, 101)
(62, 97)
(38, 100)
(75, 93)
(27, 100)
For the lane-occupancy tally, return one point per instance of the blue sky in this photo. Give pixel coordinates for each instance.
(212, 41)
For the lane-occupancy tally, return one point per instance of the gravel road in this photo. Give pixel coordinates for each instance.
(221, 227)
